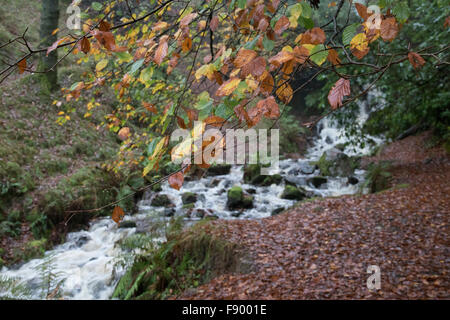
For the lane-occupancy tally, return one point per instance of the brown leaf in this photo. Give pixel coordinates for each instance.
(340, 89)
(187, 19)
(389, 29)
(22, 65)
(176, 180)
(313, 36)
(267, 83)
(150, 107)
(215, 121)
(359, 54)
(362, 11)
(281, 25)
(124, 133)
(161, 52)
(416, 60)
(269, 107)
(281, 57)
(214, 23)
(85, 45)
(104, 26)
(243, 57)
(256, 67)
(333, 57)
(118, 214)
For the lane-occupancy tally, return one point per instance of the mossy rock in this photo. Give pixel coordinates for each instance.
(238, 200)
(277, 211)
(188, 197)
(252, 175)
(218, 169)
(188, 206)
(161, 200)
(293, 193)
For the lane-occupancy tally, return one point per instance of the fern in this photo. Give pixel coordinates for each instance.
(11, 288)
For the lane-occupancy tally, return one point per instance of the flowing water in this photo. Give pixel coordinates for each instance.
(87, 259)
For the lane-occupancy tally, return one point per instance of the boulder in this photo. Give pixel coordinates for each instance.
(161, 200)
(334, 162)
(277, 211)
(352, 180)
(318, 181)
(218, 169)
(238, 200)
(294, 180)
(307, 168)
(293, 193)
(188, 197)
(127, 224)
(252, 175)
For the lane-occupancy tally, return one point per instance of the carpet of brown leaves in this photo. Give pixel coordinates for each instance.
(321, 249)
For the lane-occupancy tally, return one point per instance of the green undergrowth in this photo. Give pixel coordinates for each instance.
(186, 260)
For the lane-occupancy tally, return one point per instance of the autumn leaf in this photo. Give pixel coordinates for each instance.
(184, 22)
(150, 107)
(389, 29)
(215, 121)
(176, 180)
(359, 54)
(256, 67)
(313, 36)
(118, 214)
(187, 45)
(243, 57)
(161, 52)
(416, 60)
(285, 92)
(267, 83)
(124, 133)
(104, 26)
(228, 87)
(359, 42)
(214, 23)
(85, 45)
(281, 57)
(281, 25)
(333, 57)
(362, 11)
(160, 25)
(340, 89)
(269, 107)
(22, 65)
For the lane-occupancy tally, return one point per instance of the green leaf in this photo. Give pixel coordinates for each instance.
(251, 44)
(306, 23)
(223, 111)
(401, 11)
(268, 44)
(242, 3)
(124, 57)
(97, 6)
(306, 10)
(146, 75)
(349, 32)
(204, 101)
(152, 145)
(135, 67)
(319, 54)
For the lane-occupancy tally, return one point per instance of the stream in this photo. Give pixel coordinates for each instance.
(87, 259)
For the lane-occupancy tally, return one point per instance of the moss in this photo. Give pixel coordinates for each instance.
(293, 193)
(161, 200)
(324, 165)
(188, 206)
(188, 197)
(35, 249)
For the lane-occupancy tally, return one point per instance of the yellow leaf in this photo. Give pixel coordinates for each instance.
(228, 87)
(101, 65)
(359, 42)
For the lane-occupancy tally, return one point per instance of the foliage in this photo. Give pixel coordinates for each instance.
(186, 260)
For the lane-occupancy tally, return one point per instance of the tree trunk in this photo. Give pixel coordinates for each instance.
(49, 22)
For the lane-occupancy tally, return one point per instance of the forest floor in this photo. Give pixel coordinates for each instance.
(321, 249)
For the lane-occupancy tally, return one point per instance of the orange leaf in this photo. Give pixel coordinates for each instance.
(340, 89)
(360, 53)
(281, 25)
(280, 58)
(118, 214)
(285, 92)
(187, 44)
(104, 26)
(269, 107)
(150, 107)
(267, 83)
(176, 180)
(416, 60)
(22, 65)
